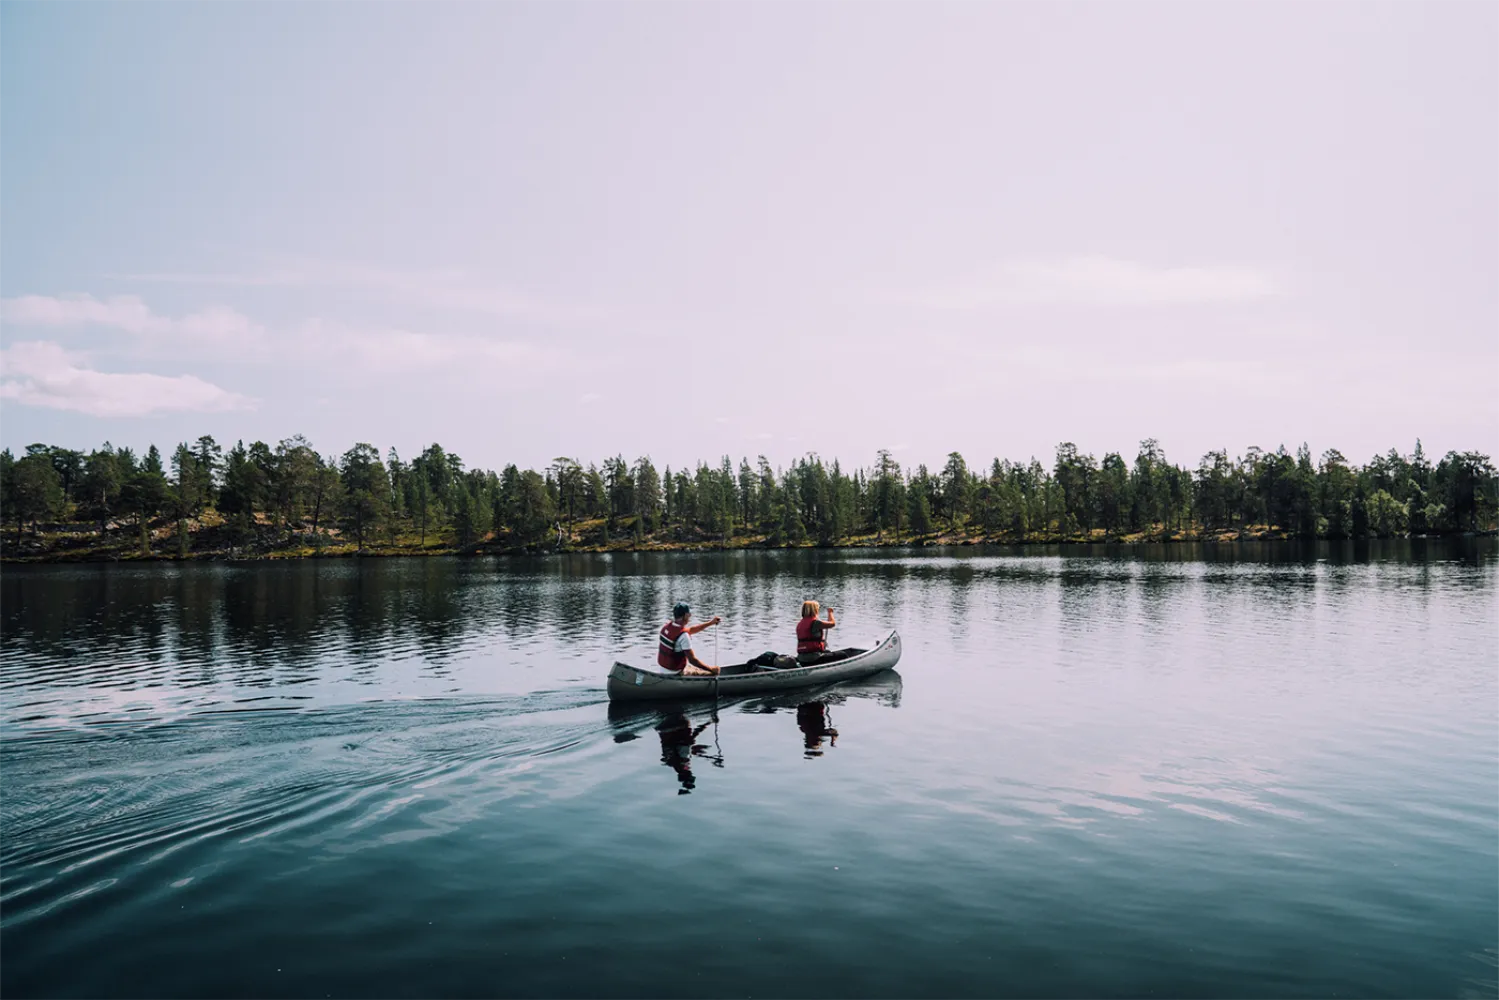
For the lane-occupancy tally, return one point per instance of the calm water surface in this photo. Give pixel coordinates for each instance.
(1230, 771)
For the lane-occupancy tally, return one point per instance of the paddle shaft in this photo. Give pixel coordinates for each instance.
(716, 674)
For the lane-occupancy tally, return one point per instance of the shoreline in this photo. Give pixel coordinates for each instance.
(118, 550)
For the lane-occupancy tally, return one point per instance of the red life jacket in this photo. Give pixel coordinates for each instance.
(805, 641)
(666, 654)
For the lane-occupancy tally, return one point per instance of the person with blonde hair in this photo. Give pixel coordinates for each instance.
(811, 646)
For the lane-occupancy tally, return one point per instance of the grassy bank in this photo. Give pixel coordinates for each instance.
(211, 537)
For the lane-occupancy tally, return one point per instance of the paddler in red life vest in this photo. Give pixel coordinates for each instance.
(810, 644)
(674, 651)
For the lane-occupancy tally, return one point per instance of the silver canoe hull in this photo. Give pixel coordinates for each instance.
(627, 683)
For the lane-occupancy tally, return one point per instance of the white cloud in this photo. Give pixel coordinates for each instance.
(220, 331)
(126, 312)
(130, 314)
(48, 375)
(39, 373)
(1098, 281)
(453, 290)
(394, 349)
(219, 323)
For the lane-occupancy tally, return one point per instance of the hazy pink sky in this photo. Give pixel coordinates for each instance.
(528, 230)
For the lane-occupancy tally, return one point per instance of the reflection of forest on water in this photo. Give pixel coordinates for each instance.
(244, 618)
(689, 732)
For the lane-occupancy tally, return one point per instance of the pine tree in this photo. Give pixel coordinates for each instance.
(209, 460)
(464, 522)
(8, 507)
(366, 489)
(145, 494)
(101, 486)
(536, 509)
(325, 490)
(647, 493)
(920, 512)
(240, 496)
(956, 490)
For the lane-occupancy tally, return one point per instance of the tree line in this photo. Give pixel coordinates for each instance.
(292, 494)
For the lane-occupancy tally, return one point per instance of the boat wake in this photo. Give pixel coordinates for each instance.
(160, 803)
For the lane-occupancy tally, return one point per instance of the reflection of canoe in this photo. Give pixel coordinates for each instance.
(627, 683)
(883, 687)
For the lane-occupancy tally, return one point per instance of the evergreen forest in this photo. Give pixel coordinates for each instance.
(289, 499)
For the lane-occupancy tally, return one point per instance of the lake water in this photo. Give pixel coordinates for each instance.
(1192, 771)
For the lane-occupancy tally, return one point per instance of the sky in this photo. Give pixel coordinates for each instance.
(529, 230)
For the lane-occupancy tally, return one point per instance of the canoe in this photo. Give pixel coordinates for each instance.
(883, 688)
(628, 683)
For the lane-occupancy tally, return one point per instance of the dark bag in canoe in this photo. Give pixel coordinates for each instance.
(771, 660)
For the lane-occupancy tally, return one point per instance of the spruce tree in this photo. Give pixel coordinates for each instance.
(146, 493)
(366, 491)
(920, 513)
(101, 486)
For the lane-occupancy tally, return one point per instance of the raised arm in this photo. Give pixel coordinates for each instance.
(695, 629)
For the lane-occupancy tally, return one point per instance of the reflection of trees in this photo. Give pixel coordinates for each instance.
(262, 623)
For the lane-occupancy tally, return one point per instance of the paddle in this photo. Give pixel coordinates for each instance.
(716, 748)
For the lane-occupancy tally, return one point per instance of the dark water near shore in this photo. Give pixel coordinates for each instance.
(1188, 771)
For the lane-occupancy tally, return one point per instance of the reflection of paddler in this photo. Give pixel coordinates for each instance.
(678, 747)
(812, 718)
